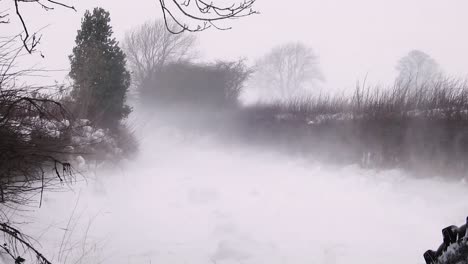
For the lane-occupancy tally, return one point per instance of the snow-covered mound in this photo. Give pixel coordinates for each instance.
(95, 143)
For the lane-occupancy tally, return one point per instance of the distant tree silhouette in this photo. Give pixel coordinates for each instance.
(417, 68)
(286, 70)
(150, 46)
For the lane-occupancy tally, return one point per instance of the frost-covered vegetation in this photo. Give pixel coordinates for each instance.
(419, 124)
(422, 129)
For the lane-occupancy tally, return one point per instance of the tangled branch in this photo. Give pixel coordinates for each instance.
(206, 13)
(31, 40)
(34, 138)
(16, 245)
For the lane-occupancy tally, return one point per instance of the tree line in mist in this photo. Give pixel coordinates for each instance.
(418, 123)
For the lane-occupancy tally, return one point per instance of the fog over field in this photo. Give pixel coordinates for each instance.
(189, 199)
(233, 132)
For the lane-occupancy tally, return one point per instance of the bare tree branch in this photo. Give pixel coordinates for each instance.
(204, 14)
(30, 40)
(4, 17)
(208, 14)
(16, 243)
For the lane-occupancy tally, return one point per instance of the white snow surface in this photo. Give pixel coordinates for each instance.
(188, 199)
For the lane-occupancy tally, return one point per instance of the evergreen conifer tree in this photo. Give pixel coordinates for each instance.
(98, 69)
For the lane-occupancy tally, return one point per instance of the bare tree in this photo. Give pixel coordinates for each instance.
(150, 46)
(286, 70)
(416, 69)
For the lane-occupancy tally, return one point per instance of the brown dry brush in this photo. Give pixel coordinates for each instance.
(423, 129)
(35, 133)
(31, 162)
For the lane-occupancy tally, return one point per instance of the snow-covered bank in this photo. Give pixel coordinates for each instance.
(190, 200)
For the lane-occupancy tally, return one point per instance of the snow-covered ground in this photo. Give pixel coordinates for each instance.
(190, 200)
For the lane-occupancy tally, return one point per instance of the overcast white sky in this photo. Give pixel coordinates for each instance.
(352, 38)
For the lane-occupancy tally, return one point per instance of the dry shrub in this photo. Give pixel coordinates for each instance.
(423, 129)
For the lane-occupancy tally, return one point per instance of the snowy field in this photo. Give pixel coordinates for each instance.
(187, 200)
